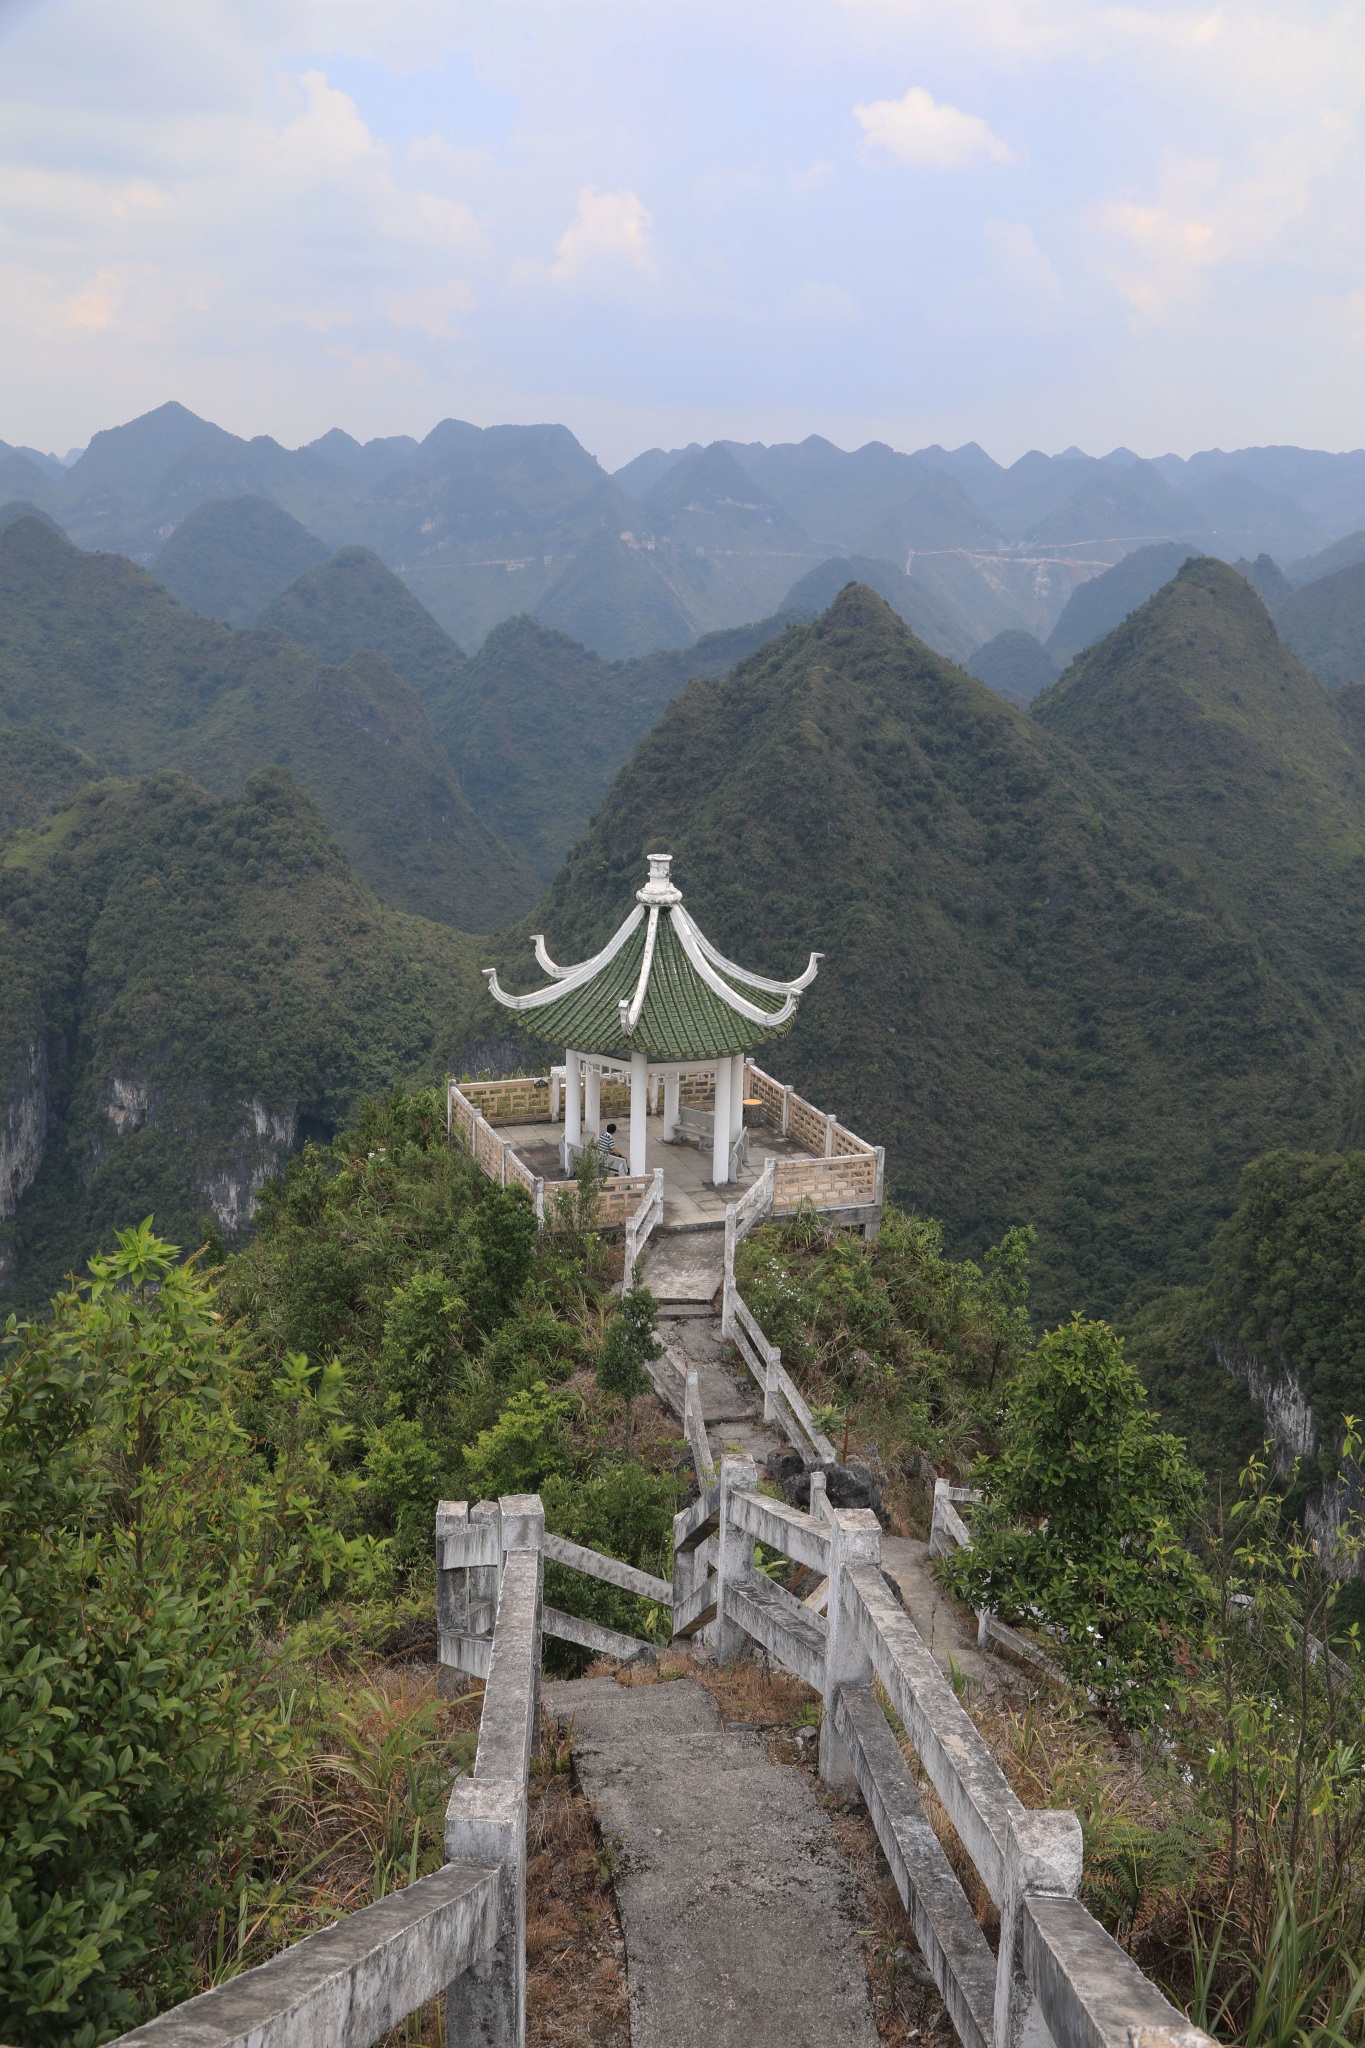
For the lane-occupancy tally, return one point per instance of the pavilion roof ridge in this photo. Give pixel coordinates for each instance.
(664, 990)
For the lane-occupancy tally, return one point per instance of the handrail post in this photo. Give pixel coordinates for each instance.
(855, 1538)
(486, 1817)
(452, 1588)
(1043, 1855)
(734, 1552)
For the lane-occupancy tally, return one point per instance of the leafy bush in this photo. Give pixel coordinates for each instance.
(525, 1446)
(628, 1345)
(1082, 1522)
(501, 1239)
(141, 1550)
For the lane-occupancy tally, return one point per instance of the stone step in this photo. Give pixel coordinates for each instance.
(684, 1269)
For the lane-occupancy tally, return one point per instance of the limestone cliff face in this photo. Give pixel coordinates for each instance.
(1272, 1382)
(23, 1132)
(1294, 1433)
(257, 1153)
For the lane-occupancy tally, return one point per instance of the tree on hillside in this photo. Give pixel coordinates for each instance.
(628, 1345)
(1080, 1525)
(143, 1550)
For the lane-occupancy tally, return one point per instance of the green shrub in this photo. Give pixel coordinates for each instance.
(525, 1446)
(501, 1239)
(1082, 1522)
(142, 1548)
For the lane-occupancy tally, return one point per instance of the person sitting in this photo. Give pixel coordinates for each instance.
(613, 1160)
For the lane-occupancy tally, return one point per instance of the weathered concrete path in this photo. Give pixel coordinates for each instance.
(738, 1914)
(685, 1265)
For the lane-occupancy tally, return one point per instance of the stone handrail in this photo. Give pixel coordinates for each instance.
(783, 1401)
(348, 1985)
(1053, 1955)
(461, 1931)
(639, 1226)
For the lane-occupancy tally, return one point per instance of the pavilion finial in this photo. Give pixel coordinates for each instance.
(659, 888)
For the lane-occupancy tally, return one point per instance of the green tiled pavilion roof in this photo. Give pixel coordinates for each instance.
(657, 987)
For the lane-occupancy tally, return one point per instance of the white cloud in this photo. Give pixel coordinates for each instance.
(1160, 258)
(924, 131)
(610, 231)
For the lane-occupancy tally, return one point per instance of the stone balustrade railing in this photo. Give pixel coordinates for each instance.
(463, 1929)
(844, 1178)
(1057, 1968)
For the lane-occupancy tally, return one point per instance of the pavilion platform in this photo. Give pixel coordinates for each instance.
(691, 1197)
(514, 1127)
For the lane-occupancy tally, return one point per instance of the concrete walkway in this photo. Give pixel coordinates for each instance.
(738, 1913)
(684, 1267)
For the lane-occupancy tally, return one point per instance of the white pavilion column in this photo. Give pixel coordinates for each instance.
(639, 1107)
(720, 1143)
(592, 1102)
(573, 1102)
(670, 1106)
(736, 1096)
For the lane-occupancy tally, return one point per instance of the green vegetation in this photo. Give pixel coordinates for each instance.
(352, 602)
(1097, 606)
(537, 724)
(145, 1547)
(929, 619)
(1195, 713)
(1279, 1294)
(471, 1349)
(191, 985)
(1015, 665)
(232, 555)
(1028, 994)
(1288, 1274)
(38, 774)
(95, 652)
(1082, 1523)
(1324, 624)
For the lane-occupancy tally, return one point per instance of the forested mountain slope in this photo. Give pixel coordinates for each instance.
(351, 601)
(232, 555)
(1105, 601)
(1196, 713)
(1324, 623)
(95, 652)
(189, 981)
(1026, 995)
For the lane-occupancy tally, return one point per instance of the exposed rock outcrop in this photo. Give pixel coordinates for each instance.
(23, 1133)
(1295, 1434)
(257, 1153)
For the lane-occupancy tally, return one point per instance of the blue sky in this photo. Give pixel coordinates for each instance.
(1023, 222)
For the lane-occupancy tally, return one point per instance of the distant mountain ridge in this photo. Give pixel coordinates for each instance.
(486, 523)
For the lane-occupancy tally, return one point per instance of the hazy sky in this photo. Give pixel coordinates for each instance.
(1024, 222)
